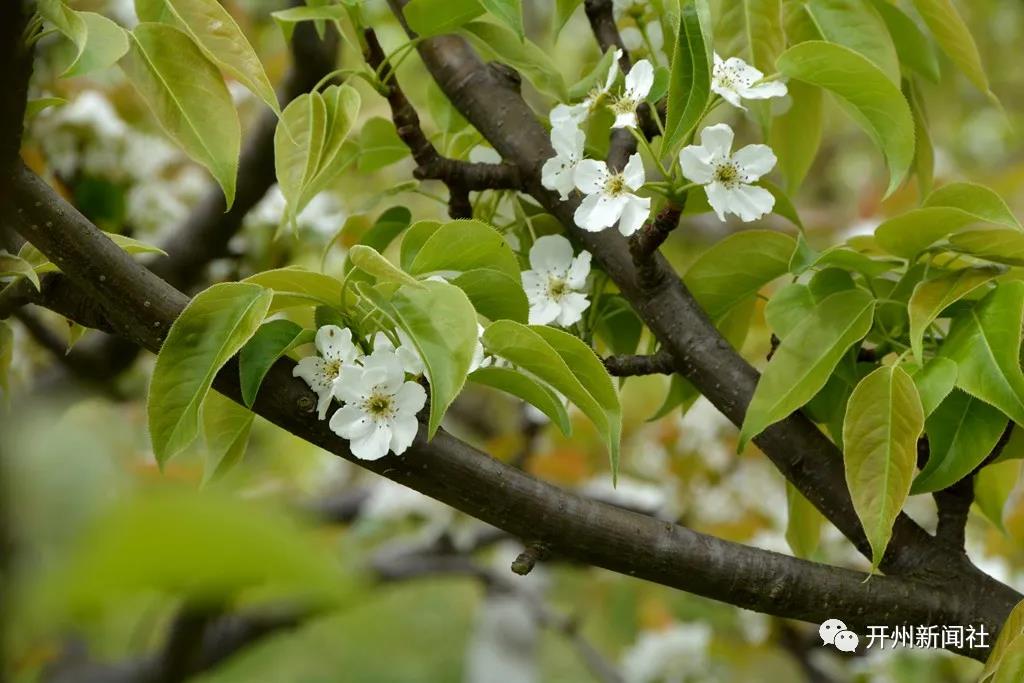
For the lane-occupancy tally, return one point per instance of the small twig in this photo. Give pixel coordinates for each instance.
(660, 363)
(533, 553)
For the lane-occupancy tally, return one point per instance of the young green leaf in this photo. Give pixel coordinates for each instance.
(877, 103)
(460, 246)
(369, 260)
(955, 39)
(295, 286)
(910, 233)
(16, 266)
(992, 488)
(212, 328)
(441, 322)
(857, 25)
(530, 390)
(803, 523)
(1011, 637)
(563, 11)
(796, 133)
(508, 12)
(379, 145)
(531, 350)
(976, 200)
(934, 382)
(931, 297)
(752, 29)
(273, 340)
(984, 342)
(226, 425)
(924, 149)
(806, 357)
(883, 421)
(99, 41)
(787, 308)
(413, 242)
(914, 49)
(189, 98)
(998, 246)
(534, 63)
(218, 36)
(287, 18)
(961, 433)
(690, 83)
(433, 17)
(494, 294)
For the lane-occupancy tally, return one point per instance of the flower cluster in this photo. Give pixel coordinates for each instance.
(379, 404)
(609, 197)
(554, 287)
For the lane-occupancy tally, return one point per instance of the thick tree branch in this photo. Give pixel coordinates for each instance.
(457, 474)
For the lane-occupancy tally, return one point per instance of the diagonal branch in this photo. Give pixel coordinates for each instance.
(142, 307)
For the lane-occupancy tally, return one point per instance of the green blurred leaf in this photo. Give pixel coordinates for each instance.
(1009, 640)
(915, 50)
(883, 421)
(976, 200)
(226, 425)
(753, 30)
(433, 17)
(796, 133)
(955, 39)
(874, 101)
(17, 267)
(218, 36)
(992, 488)
(189, 98)
(272, 340)
(212, 328)
(984, 342)
(931, 297)
(379, 145)
(530, 390)
(534, 63)
(99, 42)
(690, 85)
(961, 433)
(6, 357)
(287, 18)
(806, 358)
(563, 11)
(508, 12)
(803, 523)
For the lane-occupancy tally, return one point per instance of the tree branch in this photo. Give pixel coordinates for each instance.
(142, 307)
(661, 363)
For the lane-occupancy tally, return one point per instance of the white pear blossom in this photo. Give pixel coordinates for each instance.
(554, 287)
(609, 196)
(337, 356)
(638, 84)
(672, 653)
(380, 408)
(727, 178)
(577, 113)
(406, 352)
(735, 80)
(480, 357)
(557, 173)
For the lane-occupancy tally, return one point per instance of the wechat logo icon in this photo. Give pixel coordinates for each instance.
(834, 632)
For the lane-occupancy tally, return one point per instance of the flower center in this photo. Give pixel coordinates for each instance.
(379, 405)
(728, 173)
(624, 105)
(332, 368)
(615, 185)
(557, 287)
(730, 79)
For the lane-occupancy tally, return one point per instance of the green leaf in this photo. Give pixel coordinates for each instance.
(914, 49)
(736, 268)
(379, 145)
(829, 281)
(563, 11)
(854, 261)
(1009, 639)
(806, 357)
(924, 150)
(857, 25)
(273, 340)
(681, 394)
(976, 200)
(931, 297)
(910, 233)
(369, 260)
(1011, 666)
(460, 246)
(187, 94)
(17, 267)
(876, 103)
(40, 104)
(992, 488)
(287, 18)
(295, 286)
(534, 63)
(999, 246)
(413, 241)
(212, 328)
(955, 39)
(787, 308)
(226, 425)
(99, 42)
(934, 382)
(984, 342)
(883, 421)
(618, 324)
(494, 294)
(803, 523)
(6, 357)
(567, 365)
(508, 12)
(218, 36)
(441, 322)
(961, 433)
(530, 390)
(595, 77)
(796, 134)
(433, 17)
(752, 29)
(690, 85)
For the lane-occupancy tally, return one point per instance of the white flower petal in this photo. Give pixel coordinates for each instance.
(572, 307)
(354, 384)
(639, 80)
(728, 94)
(569, 114)
(576, 278)
(350, 422)
(755, 160)
(312, 369)
(544, 311)
(410, 398)
(557, 175)
(568, 141)
(599, 211)
(764, 91)
(717, 140)
(534, 283)
(372, 446)
(551, 254)
(694, 164)
(633, 173)
(403, 433)
(718, 198)
(634, 214)
(335, 343)
(613, 71)
(625, 119)
(591, 176)
(752, 202)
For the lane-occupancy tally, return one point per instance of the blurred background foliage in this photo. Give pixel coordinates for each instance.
(109, 553)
